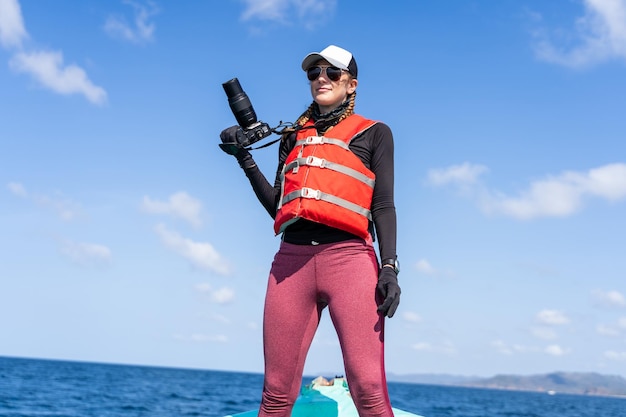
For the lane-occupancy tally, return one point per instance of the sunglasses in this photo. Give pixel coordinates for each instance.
(332, 73)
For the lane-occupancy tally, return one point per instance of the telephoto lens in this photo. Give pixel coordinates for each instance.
(240, 104)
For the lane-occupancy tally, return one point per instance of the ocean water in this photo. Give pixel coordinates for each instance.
(30, 387)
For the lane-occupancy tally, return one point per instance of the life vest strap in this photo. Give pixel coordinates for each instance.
(314, 161)
(320, 140)
(307, 192)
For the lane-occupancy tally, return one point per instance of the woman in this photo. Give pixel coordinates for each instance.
(333, 188)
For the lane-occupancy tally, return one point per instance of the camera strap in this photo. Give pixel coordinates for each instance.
(264, 146)
(285, 126)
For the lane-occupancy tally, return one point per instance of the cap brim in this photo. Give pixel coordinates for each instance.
(312, 58)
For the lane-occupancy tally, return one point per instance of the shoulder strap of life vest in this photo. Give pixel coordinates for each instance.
(341, 134)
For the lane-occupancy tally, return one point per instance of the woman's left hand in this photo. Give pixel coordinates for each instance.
(390, 290)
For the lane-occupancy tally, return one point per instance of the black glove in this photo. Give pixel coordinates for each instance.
(390, 290)
(231, 138)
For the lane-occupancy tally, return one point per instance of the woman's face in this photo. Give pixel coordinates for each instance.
(330, 94)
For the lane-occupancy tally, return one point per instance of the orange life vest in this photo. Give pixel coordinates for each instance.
(325, 182)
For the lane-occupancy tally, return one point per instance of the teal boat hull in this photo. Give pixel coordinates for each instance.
(325, 401)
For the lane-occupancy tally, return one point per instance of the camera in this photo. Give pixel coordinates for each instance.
(253, 130)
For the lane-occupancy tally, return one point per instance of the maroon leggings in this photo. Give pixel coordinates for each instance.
(303, 280)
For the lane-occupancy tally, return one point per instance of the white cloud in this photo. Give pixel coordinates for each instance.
(555, 196)
(562, 195)
(86, 254)
(425, 267)
(12, 31)
(506, 349)
(543, 333)
(180, 205)
(615, 356)
(49, 70)
(604, 330)
(265, 9)
(446, 348)
(612, 331)
(65, 208)
(223, 295)
(609, 299)
(220, 296)
(46, 67)
(600, 33)
(463, 174)
(220, 318)
(502, 347)
(556, 350)
(308, 12)
(552, 317)
(422, 346)
(411, 317)
(525, 349)
(141, 30)
(17, 188)
(201, 255)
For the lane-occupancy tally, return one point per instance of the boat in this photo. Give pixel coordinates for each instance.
(325, 398)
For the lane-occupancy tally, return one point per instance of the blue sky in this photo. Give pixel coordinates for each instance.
(129, 237)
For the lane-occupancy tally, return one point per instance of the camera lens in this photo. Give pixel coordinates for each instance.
(239, 103)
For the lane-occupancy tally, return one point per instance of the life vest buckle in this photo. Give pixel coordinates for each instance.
(310, 193)
(314, 161)
(314, 140)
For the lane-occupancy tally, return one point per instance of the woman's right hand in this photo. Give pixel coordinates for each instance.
(231, 138)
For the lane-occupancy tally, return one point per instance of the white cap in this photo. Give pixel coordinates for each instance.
(336, 56)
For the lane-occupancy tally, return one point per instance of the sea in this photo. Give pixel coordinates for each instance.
(33, 387)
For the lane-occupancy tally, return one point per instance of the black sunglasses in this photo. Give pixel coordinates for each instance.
(333, 73)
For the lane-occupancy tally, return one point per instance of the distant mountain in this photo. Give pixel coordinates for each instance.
(557, 382)
(563, 382)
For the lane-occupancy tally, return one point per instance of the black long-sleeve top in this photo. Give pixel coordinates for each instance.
(375, 149)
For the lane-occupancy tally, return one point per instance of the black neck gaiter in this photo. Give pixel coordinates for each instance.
(325, 121)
